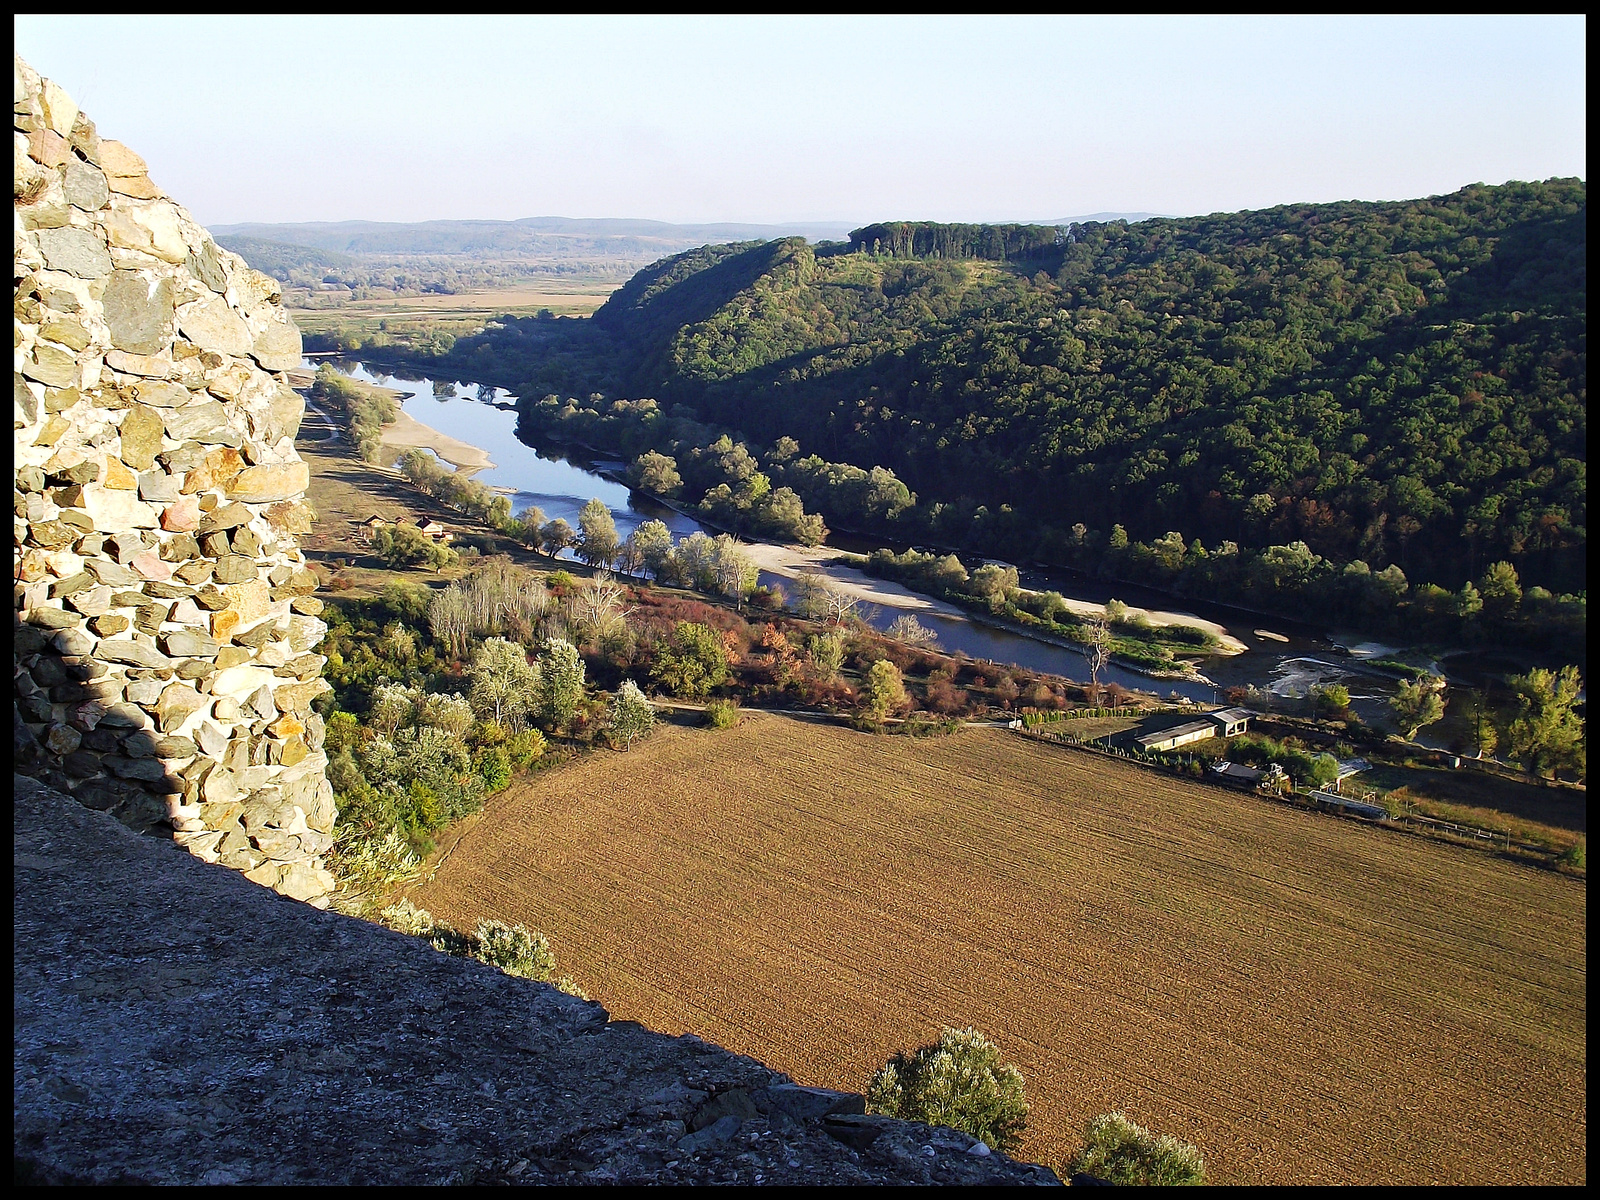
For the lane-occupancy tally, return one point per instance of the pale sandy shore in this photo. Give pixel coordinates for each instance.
(790, 561)
(406, 432)
(1159, 616)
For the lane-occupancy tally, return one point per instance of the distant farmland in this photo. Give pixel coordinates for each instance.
(1305, 999)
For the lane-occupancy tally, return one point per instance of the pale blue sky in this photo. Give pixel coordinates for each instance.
(817, 118)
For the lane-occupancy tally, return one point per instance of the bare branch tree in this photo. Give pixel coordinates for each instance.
(1097, 640)
(597, 611)
(912, 632)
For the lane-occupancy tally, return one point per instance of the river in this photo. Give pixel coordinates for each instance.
(560, 482)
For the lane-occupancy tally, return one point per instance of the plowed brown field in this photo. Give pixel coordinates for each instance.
(1305, 999)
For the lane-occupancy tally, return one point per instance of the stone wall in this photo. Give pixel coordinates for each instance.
(165, 628)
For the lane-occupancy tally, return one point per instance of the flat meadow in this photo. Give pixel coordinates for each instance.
(1306, 999)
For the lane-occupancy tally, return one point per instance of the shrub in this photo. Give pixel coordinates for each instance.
(1573, 855)
(958, 1081)
(1331, 698)
(405, 545)
(514, 949)
(405, 917)
(365, 864)
(494, 767)
(524, 748)
(1117, 1150)
(721, 714)
(693, 663)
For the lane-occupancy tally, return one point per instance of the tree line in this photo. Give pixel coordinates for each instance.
(1400, 385)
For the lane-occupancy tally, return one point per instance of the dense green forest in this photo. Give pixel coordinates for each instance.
(1361, 404)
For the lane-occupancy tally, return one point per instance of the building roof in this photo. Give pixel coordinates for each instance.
(1353, 766)
(1237, 772)
(375, 519)
(1163, 735)
(1230, 715)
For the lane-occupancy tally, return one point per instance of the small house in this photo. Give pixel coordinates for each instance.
(435, 530)
(1177, 735)
(1348, 768)
(1230, 721)
(371, 526)
(1237, 774)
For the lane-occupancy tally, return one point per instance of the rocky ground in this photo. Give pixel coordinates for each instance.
(174, 1023)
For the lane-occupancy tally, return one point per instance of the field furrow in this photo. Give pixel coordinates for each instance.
(1303, 998)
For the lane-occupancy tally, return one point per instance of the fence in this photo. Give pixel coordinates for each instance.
(1033, 718)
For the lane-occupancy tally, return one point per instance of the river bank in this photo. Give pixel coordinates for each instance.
(405, 432)
(559, 478)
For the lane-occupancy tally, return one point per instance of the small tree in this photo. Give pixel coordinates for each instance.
(632, 718)
(560, 681)
(655, 473)
(1097, 648)
(1547, 733)
(598, 612)
(652, 541)
(884, 692)
(826, 652)
(1415, 703)
(504, 683)
(959, 1081)
(556, 537)
(912, 632)
(598, 545)
(693, 663)
(1120, 1152)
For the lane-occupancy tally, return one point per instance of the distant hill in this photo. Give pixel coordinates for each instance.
(1131, 218)
(1396, 385)
(530, 236)
(280, 259)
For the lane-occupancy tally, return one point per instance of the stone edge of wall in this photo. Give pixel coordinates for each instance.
(165, 628)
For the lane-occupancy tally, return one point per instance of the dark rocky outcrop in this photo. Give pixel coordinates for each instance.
(175, 1023)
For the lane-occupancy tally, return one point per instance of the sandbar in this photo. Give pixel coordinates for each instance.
(405, 432)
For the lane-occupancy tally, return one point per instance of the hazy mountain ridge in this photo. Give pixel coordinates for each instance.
(529, 235)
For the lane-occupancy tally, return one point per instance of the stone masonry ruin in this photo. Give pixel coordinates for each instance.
(165, 629)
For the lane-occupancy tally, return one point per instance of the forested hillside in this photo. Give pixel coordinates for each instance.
(1398, 386)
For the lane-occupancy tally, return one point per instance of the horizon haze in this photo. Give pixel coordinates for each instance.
(821, 121)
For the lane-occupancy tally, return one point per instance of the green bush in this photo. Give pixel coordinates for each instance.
(693, 663)
(524, 747)
(722, 714)
(514, 949)
(1120, 1152)
(959, 1081)
(1573, 856)
(494, 767)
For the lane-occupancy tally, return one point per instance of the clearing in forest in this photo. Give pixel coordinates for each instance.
(1304, 998)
